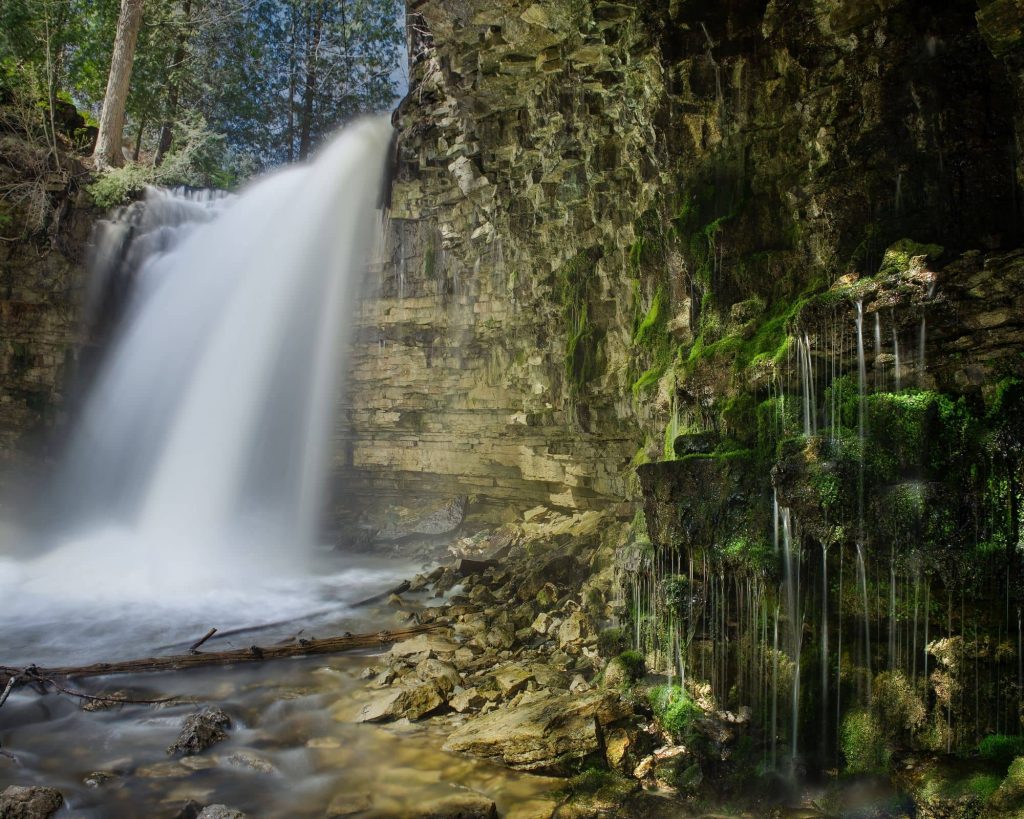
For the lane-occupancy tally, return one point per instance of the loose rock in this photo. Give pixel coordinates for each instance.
(17, 802)
(201, 730)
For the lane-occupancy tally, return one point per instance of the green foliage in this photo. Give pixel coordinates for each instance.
(864, 744)
(575, 279)
(612, 642)
(201, 160)
(633, 664)
(675, 593)
(675, 711)
(1001, 748)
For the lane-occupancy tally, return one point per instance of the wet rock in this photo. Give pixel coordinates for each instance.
(247, 759)
(409, 701)
(220, 812)
(346, 804)
(97, 779)
(201, 730)
(17, 802)
(461, 803)
(547, 731)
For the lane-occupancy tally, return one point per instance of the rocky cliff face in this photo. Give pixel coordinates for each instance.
(598, 204)
(41, 284)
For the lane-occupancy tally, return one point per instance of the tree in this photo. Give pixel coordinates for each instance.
(111, 131)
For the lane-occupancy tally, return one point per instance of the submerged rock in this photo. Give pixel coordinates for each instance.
(201, 730)
(18, 802)
(461, 803)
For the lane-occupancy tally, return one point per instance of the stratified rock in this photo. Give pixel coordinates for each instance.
(546, 731)
(17, 802)
(201, 730)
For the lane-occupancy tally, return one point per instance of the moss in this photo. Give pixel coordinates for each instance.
(632, 663)
(575, 281)
(1010, 794)
(612, 641)
(1001, 748)
(864, 744)
(983, 785)
(675, 711)
(598, 785)
(897, 256)
(648, 380)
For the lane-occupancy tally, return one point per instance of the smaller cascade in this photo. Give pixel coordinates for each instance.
(807, 382)
(879, 367)
(896, 355)
(921, 341)
(824, 646)
(862, 581)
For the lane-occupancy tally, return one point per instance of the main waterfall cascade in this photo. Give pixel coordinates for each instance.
(198, 461)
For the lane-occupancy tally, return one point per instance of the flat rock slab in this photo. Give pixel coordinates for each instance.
(18, 802)
(424, 646)
(544, 732)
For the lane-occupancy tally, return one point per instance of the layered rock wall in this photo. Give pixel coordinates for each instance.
(588, 191)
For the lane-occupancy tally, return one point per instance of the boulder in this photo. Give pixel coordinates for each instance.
(546, 731)
(409, 701)
(17, 802)
(576, 628)
(201, 730)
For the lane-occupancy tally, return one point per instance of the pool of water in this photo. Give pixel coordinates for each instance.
(289, 754)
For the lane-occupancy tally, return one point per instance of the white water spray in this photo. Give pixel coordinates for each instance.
(200, 456)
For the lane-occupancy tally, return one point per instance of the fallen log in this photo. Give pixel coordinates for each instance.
(234, 632)
(11, 676)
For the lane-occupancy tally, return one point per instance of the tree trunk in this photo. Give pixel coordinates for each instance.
(309, 92)
(292, 71)
(111, 132)
(173, 87)
(138, 142)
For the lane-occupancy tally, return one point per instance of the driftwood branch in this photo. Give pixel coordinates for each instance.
(234, 632)
(11, 676)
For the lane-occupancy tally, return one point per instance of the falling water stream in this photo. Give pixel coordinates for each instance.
(190, 496)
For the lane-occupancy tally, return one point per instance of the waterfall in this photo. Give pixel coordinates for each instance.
(200, 455)
(879, 368)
